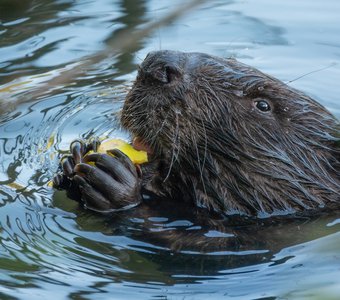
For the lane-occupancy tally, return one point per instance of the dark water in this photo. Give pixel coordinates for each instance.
(49, 247)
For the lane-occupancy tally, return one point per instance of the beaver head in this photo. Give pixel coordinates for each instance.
(232, 138)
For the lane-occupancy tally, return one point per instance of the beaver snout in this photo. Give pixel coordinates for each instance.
(162, 67)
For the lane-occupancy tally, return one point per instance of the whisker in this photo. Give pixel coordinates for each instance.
(312, 72)
(174, 156)
(205, 154)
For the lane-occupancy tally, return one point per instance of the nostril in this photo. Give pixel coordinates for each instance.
(160, 74)
(173, 73)
(164, 74)
(162, 67)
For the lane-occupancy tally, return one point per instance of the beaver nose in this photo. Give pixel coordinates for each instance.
(162, 66)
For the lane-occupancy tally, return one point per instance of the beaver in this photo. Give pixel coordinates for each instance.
(221, 136)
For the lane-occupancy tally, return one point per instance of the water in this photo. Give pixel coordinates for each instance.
(49, 247)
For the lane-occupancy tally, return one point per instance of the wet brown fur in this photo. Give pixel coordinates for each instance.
(215, 149)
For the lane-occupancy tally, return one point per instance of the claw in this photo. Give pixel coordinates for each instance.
(61, 182)
(67, 165)
(77, 149)
(93, 145)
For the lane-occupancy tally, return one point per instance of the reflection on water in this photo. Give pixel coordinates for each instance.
(49, 246)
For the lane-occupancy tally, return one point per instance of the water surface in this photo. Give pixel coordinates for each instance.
(50, 247)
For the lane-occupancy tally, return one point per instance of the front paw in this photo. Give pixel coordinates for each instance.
(108, 182)
(63, 180)
(78, 149)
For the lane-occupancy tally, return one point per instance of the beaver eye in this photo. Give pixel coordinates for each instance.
(262, 105)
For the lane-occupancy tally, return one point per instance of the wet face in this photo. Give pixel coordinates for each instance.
(182, 101)
(241, 140)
